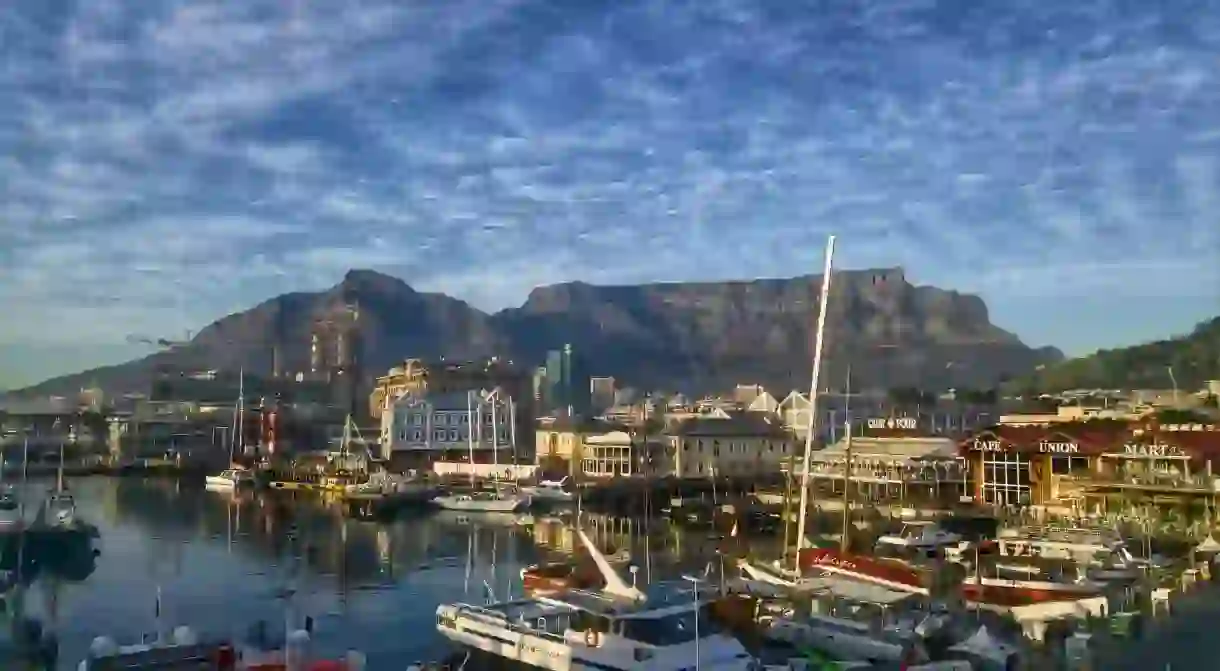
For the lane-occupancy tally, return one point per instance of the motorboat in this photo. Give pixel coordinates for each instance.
(483, 501)
(588, 630)
(230, 478)
(59, 510)
(923, 536)
(10, 509)
(551, 491)
(560, 576)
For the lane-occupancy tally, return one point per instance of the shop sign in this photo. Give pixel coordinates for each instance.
(1058, 448)
(1152, 450)
(906, 423)
(987, 446)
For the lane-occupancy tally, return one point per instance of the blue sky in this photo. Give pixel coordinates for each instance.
(164, 163)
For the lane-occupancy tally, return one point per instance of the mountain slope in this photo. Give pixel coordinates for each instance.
(678, 335)
(1194, 358)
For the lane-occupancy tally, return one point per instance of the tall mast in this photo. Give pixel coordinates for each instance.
(470, 425)
(844, 542)
(241, 410)
(813, 398)
(493, 397)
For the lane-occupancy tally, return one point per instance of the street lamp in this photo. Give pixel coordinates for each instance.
(694, 581)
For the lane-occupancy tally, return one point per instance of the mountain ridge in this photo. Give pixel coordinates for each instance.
(676, 335)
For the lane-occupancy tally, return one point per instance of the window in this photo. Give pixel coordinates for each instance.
(417, 435)
(1068, 465)
(453, 435)
(417, 420)
(1006, 478)
(438, 434)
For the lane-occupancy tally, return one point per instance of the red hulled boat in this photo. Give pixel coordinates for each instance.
(900, 576)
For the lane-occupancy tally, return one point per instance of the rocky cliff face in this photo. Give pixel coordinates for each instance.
(682, 335)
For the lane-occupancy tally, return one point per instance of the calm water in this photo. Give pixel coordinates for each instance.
(221, 562)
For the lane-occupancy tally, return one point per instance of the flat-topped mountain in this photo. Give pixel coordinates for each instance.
(685, 335)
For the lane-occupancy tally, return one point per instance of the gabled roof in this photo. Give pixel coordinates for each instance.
(740, 424)
(764, 402)
(794, 401)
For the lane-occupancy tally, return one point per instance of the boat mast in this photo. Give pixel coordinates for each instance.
(470, 426)
(844, 543)
(813, 399)
(240, 438)
(495, 445)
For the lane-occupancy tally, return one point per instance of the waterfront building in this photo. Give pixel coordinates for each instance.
(731, 445)
(895, 467)
(1041, 464)
(421, 429)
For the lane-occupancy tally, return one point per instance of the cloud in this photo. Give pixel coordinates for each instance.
(162, 163)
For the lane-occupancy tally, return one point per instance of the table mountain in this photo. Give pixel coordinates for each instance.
(706, 335)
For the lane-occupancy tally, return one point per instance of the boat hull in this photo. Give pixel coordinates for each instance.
(897, 576)
(468, 505)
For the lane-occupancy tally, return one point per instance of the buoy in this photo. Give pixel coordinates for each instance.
(103, 646)
(184, 635)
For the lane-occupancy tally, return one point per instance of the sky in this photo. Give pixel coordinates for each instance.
(165, 163)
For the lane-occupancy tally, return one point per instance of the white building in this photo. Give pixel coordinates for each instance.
(455, 422)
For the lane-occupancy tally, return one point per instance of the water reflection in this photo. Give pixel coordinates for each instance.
(223, 562)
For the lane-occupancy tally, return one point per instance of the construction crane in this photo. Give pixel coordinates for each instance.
(163, 343)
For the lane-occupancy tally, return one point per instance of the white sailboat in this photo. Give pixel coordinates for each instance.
(234, 477)
(495, 501)
(59, 510)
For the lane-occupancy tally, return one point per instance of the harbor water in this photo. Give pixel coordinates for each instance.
(223, 562)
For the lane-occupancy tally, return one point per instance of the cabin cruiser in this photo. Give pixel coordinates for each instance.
(230, 478)
(551, 491)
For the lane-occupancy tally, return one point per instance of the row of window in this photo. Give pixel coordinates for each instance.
(731, 447)
(448, 435)
(455, 419)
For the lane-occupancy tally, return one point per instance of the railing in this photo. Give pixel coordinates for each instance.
(1143, 480)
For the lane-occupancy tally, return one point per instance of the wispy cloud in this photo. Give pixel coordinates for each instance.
(161, 162)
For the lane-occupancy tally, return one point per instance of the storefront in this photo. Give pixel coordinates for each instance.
(1033, 466)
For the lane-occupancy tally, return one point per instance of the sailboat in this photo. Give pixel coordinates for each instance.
(59, 510)
(495, 501)
(234, 476)
(10, 505)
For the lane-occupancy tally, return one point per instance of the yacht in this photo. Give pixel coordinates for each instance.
(617, 627)
(230, 478)
(585, 630)
(551, 491)
(483, 502)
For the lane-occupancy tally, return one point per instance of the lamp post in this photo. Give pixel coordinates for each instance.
(694, 581)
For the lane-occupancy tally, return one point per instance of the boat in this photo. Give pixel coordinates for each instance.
(10, 510)
(230, 478)
(586, 630)
(921, 536)
(494, 501)
(551, 491)
(616, 627)
(483, 502)
(901, 576)
(58, 511)
(560, 576)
